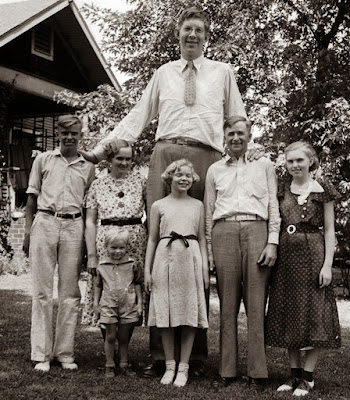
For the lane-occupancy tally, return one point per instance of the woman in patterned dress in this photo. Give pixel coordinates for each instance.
(115, 199)
(302, 313)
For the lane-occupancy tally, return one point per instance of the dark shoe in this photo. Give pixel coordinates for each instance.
(109, 372)
(256, 384)
(127, 371)
(154, 370)
(222, 382)
(197, 369)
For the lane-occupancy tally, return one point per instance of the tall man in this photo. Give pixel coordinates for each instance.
(191, 96)
(58, 182)
(242, 229)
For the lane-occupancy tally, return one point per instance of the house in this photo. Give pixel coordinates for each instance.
(45, 47)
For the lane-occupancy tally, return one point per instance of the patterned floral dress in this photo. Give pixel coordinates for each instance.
(300, 314)
(177, 296)
(116, 199)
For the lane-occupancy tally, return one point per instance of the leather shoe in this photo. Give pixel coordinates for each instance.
(256, 384)
(197, 369)
(222, 382)
(154, 370)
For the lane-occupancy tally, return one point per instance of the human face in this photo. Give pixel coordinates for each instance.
(182, 179)
(192, 36)
(298, 163)
(69, 138)
(121, 162)
(117, 249)
(237, 138)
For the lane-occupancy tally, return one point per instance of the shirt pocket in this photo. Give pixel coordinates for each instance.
(257, 187)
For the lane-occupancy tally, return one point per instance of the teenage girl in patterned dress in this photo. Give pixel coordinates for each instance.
(302, 313)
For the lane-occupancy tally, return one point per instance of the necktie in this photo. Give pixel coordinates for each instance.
(190, 84)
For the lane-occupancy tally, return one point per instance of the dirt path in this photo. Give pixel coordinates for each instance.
(22, 283)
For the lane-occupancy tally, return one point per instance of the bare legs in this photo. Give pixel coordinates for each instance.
(311, 358)
(187, 337)
(124, 335)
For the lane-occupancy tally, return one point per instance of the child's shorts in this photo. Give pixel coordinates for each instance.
(113, 315)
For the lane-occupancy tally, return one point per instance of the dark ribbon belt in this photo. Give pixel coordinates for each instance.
(60, 215)
(174, 236)
(121, 222)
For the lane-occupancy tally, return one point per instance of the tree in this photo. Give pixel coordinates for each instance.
(291, 60)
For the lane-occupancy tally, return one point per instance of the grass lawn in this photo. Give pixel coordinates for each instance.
(19, 381)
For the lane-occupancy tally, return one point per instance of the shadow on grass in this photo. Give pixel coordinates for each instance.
(19, 381)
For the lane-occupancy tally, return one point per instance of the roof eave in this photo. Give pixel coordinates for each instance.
(33, 21)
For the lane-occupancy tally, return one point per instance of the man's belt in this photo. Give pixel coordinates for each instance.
(244, 217)
(186, 142)
(121, 222)
(61, 215)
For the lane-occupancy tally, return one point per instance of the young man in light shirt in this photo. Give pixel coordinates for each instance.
(242, 230)
(58, 182)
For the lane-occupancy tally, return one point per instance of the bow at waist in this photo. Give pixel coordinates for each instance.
(174, 236)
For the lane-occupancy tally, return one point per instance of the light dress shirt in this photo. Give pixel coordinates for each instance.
(237, 186)
(60, 185)
(217, 97)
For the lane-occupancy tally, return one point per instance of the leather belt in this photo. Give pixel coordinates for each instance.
(61, 215)
(300, 228)
(244, 217)
(186, 142)
(121, 222)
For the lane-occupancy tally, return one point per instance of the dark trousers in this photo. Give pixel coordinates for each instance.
(165, 153)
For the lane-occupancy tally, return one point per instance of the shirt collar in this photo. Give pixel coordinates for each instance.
(107, 261)
(197, 62)
(57, 152)
(229, 160)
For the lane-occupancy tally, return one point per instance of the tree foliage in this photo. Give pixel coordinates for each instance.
(290, 57)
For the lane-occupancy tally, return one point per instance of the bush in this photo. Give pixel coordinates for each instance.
(14, 265)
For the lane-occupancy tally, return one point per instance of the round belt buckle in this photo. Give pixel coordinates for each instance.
(291, 229)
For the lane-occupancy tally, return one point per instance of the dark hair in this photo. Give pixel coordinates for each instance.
(230, 121)
(116, 145)
(167, 175)
(307, 149)
(65, 121)
(194, 12)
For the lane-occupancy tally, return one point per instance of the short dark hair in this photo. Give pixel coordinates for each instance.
(116, 145)
(194, 12)
(230, 121)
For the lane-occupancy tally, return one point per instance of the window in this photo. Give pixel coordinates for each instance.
(42, 41)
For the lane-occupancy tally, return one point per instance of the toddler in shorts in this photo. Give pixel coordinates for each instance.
(118, 299)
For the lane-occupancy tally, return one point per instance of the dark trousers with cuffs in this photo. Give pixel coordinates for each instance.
(201, 157)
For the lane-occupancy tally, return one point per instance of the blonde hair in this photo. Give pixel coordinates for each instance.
(115, 233)
(307, 149)
(65, 121)
(167, 175)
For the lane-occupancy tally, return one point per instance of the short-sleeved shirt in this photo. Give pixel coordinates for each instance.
(118, 281)
(60, 185)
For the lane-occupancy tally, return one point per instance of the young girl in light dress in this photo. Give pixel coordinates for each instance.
(302, 313)
(176, 268)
